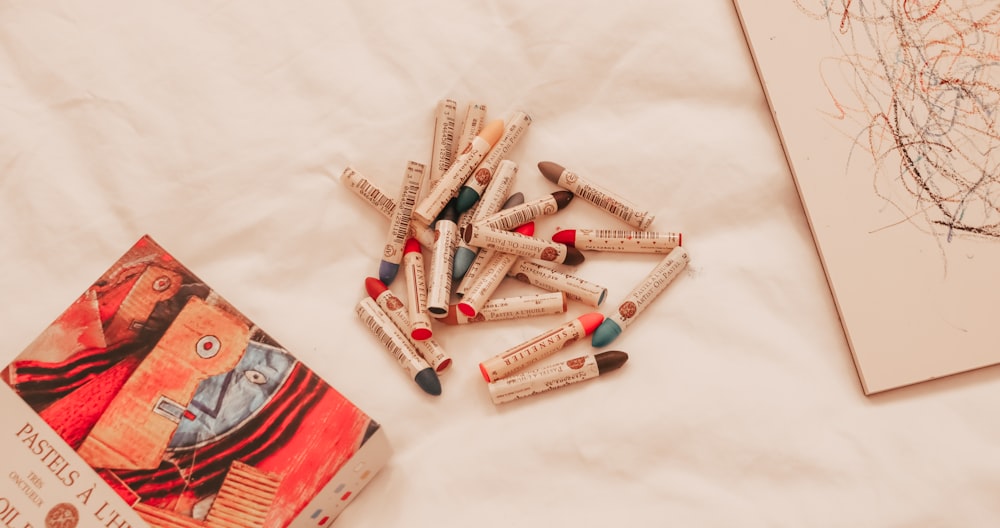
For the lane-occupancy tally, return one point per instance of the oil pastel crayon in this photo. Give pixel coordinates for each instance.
(442, 262)
(465, 255)
(555, 375)
(484, 257)
(383, 203)
(442, 144)
(416, 291)
(471, 258)
(539, 347)
(619, 240)
(469, 194)
(522, 245)
(399, 223)
(472, 123)
(422, 232)
(641, 295)
(486, 280)
(461, 248)
(505, 308)
(602, 198)
(368, 191)
(480, 259)
(455, 176)
(491, 202)
(546, 205)
(546, 278)
(498, 195)
(401, 348)
(428, 348)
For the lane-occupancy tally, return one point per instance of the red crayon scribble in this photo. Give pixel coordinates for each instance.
(920, 82)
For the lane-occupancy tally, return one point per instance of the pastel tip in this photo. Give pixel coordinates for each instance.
(486, 375)
(573, 256)
(467, 197)
(428, 380)
(374, 287)
(566, 236)
(551, 170)
(411, 246)
(387, 272)
(513, 200)
(591, 321)
(463, 260)
(421, 334)
(492, 131)
(562, 198)
(467, 309)
(610, 360)
(606, 333)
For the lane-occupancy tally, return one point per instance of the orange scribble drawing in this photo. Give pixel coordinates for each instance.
(919, 82)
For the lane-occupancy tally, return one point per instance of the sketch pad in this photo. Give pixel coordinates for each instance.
(887, 114)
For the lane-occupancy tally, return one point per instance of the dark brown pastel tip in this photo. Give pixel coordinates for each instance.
(573, 256)
(467, 233)
(550, 170)
(610, 360)
(562, 198)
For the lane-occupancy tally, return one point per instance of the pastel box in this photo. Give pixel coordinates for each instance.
(151, 401)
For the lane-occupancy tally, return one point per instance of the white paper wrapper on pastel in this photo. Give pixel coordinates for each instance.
(472, 123)
(532, 350)
(516, 243)
(399, 222)
(486, 283)
(397, 344)
(429, 349)
(489, 167)
(639, 298)
(542, 379)
(479, 264)
(517, 307)
(440, 270)
(622, 241)
(374, 196)
(416, 292)
(443, 145)
(575, 288)
(497, 191)
(368, 191)
(451, 181)
(508, 219)
(606, 200)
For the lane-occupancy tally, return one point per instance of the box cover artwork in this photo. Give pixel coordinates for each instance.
(151, 400)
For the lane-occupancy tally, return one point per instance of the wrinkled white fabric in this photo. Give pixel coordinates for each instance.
(220, 129)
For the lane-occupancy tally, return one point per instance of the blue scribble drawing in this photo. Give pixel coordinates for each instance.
(921, 82)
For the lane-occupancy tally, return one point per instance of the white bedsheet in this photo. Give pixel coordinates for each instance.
(220, 129)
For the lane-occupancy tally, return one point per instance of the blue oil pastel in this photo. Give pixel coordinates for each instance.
(428, 380)
(467, 197)
(605, 333)
(387, 272)
(463, 260)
